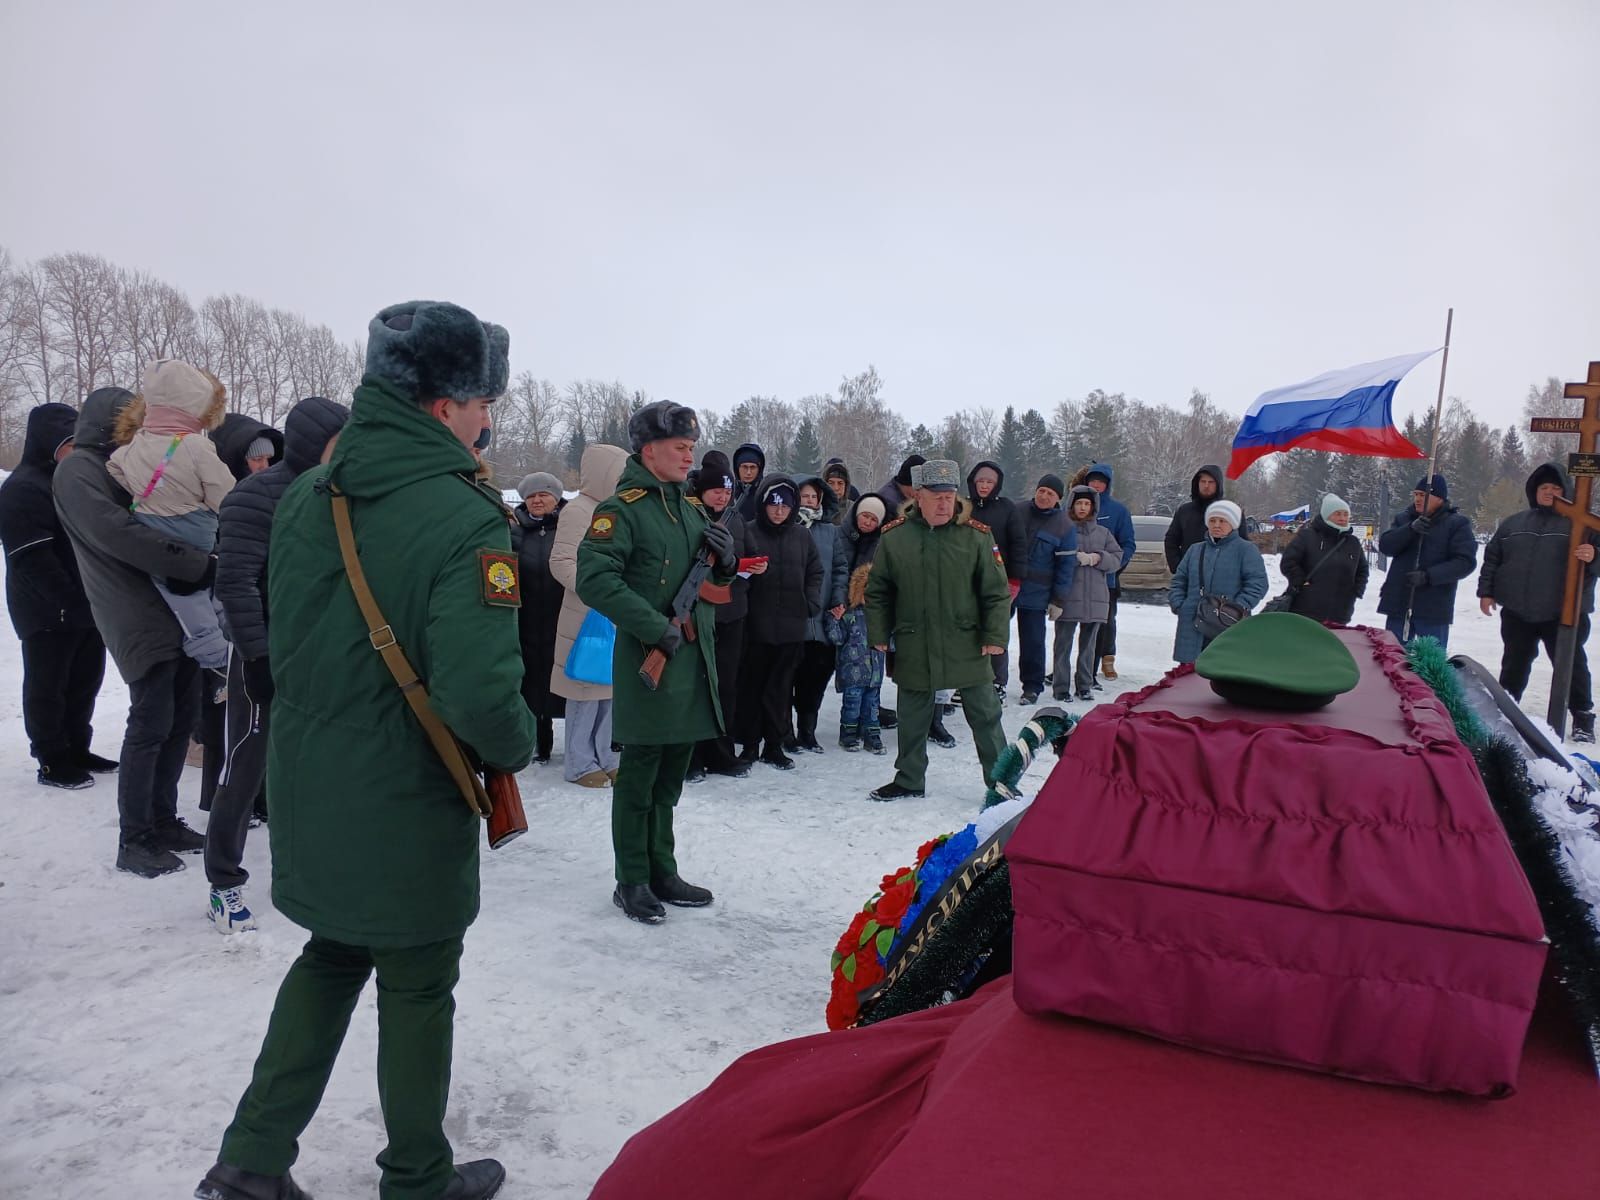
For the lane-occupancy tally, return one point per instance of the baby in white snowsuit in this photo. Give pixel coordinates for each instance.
(171, 469)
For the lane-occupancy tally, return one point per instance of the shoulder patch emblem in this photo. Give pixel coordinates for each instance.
(602, 527)
(629, 495)
(497, 575)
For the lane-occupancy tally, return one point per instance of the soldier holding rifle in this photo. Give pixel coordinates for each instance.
(642, 545)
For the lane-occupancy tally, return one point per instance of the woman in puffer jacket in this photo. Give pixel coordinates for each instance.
(1224, 564)
(1086, 605)
(817, 512)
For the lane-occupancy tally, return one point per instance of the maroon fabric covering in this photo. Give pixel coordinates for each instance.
(979, 1099)
(1327, 889)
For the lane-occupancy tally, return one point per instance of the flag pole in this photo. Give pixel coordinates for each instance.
(1433, 459)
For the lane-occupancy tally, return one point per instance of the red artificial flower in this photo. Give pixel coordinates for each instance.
(894, 902)
(868, 970)
(892, 878)
(852, 936)
(843, 1008)
(928, 848)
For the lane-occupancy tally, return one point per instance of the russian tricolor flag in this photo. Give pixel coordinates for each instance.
(1346, 411)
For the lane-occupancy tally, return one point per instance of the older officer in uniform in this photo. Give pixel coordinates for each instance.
(939, 587)
(640, 547)
(374, 849)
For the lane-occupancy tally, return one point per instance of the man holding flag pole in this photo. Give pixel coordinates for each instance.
(1349, 411)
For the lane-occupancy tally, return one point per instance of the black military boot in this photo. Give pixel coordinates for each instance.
(773, 756)
(807, 738)
(939, 735)
(673, 889)
(887, 718)
(476, 1180)
(639, 903)
(224, 1182)
(1583, 727)
(892, 791)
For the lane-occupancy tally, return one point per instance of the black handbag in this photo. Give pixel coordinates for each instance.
(1215, 615)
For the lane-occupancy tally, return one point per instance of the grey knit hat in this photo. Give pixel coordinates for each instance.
(539, 481)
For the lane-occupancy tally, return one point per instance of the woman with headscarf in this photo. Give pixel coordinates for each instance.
(536, 518)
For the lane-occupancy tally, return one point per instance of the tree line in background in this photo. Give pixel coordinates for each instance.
(70, 323)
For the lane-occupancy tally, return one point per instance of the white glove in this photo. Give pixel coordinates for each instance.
(1086, 559)
(1054, 612)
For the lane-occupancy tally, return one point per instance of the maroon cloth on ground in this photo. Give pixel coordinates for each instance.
(979, 1099)
(1329, 889)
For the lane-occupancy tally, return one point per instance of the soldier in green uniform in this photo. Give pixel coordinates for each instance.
(640, 546)
(938, 587)
(374, 849)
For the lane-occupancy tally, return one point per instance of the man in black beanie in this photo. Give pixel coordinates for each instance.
(1432, 549)
(901, 490)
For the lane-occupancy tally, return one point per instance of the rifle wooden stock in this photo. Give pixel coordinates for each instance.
(507, 820)
(650, 674)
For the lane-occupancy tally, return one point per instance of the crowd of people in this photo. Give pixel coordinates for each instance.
(295, 598)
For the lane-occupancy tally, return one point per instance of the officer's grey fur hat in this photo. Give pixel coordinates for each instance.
(431, 349)
(662, 419)
(940, 475)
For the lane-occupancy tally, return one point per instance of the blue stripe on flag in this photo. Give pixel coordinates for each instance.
(1364, 408)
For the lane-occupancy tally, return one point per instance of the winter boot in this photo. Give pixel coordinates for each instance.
(849, 737)
(1000, 692)
(65, 774)
(593, 779)
(145, 860)
(887, 718)
(807, 738)
(774, 756)
(224, 1182)
(476, 1180)
(1108, 665)
(791, 744)
(940, 736)
(228, 911)
(893, 791)
(1583, 727)
(96, 765)
(177, 837)
(873, 740)
(672, 889)
(1029, 696)
(639, 903)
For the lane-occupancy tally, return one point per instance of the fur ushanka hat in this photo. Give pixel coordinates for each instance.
(431, 350)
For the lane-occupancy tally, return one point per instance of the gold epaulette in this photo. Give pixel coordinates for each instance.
(892, 524)
(629, 495)
(979, 526)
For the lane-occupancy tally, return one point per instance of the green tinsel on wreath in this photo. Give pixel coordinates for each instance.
(1568, 920)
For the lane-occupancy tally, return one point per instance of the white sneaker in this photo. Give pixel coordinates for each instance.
(228, 911)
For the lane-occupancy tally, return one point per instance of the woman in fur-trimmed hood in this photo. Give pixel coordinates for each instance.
(858, 667)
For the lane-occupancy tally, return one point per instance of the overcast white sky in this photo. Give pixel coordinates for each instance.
(993, 202)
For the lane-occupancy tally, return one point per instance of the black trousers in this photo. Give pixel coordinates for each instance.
(211, 731)
(161, 715)
(1108, 633)
(1522, 641)
(811, 675)
(766, 681)
(61, 676)
(717, 754)
(242, 777)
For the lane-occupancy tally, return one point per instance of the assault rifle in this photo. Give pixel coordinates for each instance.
(682, 611)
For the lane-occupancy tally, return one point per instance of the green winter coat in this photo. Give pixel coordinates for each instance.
(372, 844)
(640, 546)
(941, 593)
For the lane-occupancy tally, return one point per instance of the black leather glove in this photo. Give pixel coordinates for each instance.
(670, 641)
(1417, 578)
(719, 540)
(179, 587)
(258, 679)
(1421, 524)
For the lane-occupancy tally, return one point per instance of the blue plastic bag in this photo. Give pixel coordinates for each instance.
(589, 660)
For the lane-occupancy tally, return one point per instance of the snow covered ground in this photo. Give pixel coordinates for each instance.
(128, 1025)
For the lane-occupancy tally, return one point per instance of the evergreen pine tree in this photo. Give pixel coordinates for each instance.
(576, 444)
(1011, 455)
(1513, 456)
(1101, 436)
(807, 453)
(920, 441)
(1039, 450)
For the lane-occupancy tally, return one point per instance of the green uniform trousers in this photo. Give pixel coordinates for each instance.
(979, 704)
(416, 1012)
(648, 784)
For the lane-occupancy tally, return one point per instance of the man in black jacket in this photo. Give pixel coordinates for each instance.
(117, 555)
(63, 658)
(837, 477)
(1432, 549)
(1189, 522)
(1525, 573)
(985, 482)
(749, 469)
(243, 535)
(900, 490)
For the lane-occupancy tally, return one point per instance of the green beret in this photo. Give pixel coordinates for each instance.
(1278, 660)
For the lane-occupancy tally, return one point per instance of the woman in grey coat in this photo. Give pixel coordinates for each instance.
(1222, 564)
(1087, 604)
